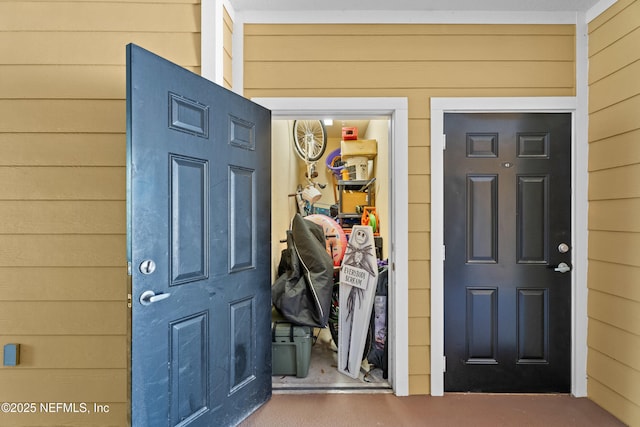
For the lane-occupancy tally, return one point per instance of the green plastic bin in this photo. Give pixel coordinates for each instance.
(290, 349)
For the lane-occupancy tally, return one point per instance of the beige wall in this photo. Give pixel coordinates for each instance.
(379, 130)
(63, 280)
(614, 203)
(63, 283)
(417, 62)
(227, 47)
(284, 179)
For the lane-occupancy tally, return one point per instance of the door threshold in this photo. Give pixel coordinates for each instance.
(508, 393)
(334, 390)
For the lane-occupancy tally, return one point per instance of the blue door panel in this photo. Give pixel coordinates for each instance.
(241, 212)
(189, 368)
(189, 226)
(198, 168)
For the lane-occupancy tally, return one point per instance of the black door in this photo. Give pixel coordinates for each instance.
(507, 230)
(199, 227)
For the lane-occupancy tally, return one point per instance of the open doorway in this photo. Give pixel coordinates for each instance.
(334, 200)
(396, 110)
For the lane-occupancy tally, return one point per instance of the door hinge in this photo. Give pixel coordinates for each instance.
(444, 252)
(129, 268)
(444, 141)
(129, 286)
(444, 363)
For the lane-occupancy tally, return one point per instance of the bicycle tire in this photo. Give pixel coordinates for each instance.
(310, 139)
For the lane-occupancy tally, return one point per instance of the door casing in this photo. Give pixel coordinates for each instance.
(396, 110)
(579, 206)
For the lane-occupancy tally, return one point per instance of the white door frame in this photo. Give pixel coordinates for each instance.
(579, 209)
(396, 110)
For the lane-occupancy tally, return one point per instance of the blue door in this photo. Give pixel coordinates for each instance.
(198, 176)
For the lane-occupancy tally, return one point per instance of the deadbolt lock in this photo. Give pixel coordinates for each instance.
(147, 266)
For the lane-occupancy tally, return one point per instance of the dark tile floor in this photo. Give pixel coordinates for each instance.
(326, 398)
(477, 410)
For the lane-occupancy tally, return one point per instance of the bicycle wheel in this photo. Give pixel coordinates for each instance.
(310, 139)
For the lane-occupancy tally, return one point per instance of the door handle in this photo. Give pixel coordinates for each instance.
(149, 297)
(562, 268)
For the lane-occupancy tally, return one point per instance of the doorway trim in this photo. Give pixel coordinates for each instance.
(396, 110)
(579, 212)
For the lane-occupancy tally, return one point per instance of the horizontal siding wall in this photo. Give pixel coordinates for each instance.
(614, 223)
(417, 62)
(227, 46)
(63, 277)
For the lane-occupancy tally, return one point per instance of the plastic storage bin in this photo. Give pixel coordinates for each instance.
(290, 349)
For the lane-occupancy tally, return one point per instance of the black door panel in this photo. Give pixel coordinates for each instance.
(507, 208)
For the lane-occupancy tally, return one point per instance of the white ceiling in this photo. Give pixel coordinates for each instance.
(415, 5)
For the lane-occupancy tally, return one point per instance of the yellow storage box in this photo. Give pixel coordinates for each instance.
(359, 148)
(351, 199)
